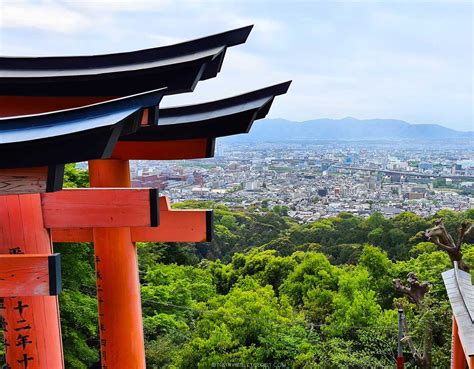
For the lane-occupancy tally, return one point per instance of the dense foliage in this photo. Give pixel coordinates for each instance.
(270, 290)
(317, 295)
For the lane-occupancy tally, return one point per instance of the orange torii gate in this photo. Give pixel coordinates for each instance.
(120, 315)
(30, 275)
(30, 317)
(114, 234)
(111, 212)
(34, 149)
(169, 139)
(37, 85)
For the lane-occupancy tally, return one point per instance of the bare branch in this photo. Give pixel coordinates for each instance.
(441, 238)
(443, 247)
(441, 235)
(415, 291)
(464, 230)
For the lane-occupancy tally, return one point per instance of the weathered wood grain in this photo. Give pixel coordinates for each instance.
(20, 181)
(23, 180)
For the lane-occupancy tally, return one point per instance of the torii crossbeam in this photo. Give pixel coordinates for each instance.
(174, 226)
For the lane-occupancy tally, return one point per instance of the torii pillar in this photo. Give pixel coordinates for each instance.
(118, 284)
(31, 326)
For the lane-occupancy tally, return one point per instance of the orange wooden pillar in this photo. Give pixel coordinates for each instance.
(118, 285)
(458, 359)
(31, 327)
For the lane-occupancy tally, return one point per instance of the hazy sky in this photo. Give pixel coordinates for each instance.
(410, 60)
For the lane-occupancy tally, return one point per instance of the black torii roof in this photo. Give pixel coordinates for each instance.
(72, 135)
(230, 116)
(178, 67)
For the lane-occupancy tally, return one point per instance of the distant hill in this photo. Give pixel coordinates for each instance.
(347, 129)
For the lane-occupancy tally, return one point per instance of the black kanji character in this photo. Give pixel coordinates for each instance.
(20, 307)
(24, 328)
(23, 341)
(25, 360)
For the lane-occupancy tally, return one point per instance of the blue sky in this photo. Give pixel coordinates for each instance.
(410, 60)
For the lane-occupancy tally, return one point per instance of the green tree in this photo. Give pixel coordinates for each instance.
(248, 325)
(312, 285)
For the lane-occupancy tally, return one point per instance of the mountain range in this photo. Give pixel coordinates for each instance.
(348, 129)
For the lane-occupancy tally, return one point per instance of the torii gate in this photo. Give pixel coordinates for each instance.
(29, 311)
(111, 214)
(36, 85)
(116, 245)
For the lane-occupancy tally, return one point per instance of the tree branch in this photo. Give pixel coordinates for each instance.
(464, 230)
(415, 291)
(444, 247)
(441, 238)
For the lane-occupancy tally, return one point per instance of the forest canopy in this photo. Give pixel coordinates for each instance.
(268, 290)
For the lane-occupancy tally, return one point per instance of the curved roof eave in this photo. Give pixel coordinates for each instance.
(179, 67)
(219, 118)
(71, 135)
(146, 99)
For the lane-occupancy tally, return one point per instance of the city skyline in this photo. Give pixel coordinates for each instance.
(407, 61)
(320, 180)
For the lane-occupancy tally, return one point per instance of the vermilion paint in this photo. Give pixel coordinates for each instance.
(24, 275)
(33, 332)
(88, 207)
(118, 285)
(191, 225)
(22, 105)
(162, 150)
(458, 359)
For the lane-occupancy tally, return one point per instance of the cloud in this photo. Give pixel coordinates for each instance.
(163, 40)
(70, 16)
(118, 5)
(45, 15)
(406, 60)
